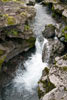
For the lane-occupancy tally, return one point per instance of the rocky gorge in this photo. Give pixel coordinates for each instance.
(25, 26)
(52, 85)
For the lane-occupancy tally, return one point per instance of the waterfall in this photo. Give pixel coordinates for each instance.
(34, 65)
(24, 84)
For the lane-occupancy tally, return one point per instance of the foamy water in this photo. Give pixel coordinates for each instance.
(34, 65)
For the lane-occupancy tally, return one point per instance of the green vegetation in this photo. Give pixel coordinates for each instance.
(64, 33)
(12, 32)
(1, 61)
(65, 89)
(65, 57)
(31, 41)
(46, 70)
(6, 0)
(1, 52)
(40, 93)
(10, 0)
(1, 15)
(54, 15)
(48, 86)
(50, 26)
(23, 14)
(11, 20)
(64, 68)
(26, 27)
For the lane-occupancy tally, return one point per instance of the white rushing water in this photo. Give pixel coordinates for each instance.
(34, 65)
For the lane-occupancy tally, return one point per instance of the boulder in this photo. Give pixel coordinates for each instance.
(53, 49)
(61, 33)
(55, 81)
(49, 31)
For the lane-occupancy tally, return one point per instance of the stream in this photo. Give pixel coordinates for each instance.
(25, 82)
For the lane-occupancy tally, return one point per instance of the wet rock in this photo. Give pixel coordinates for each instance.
(49, 31)
(56, 48)
(58, 77)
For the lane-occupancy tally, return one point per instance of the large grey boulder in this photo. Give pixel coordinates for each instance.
(56, 78)
(56, 48)
(49, 31)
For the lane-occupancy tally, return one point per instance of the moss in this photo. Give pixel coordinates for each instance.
(1, 52)
(23, 14)
(54, 15)
(51, 26)
(6, 0)
(64, 68)
(13, 32)
(40, 93)
(26, 27)
(48, 86)
(11, 20)
(65, 89)
(11, 0)
(1, 15)
(46, 70)
(1, 61)
(65, 57)
(64, 33)
(31, 41)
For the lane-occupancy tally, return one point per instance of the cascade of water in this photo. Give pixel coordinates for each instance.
(34, 64)
(25, 82)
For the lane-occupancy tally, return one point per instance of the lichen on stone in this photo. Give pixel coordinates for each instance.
(11, 20)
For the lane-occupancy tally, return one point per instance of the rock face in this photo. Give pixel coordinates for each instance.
(16, 35)
(58, 6)
(49, 31)
(54, 43)
(53, 86)
(53, 83)
(61, 33)
(56, 48)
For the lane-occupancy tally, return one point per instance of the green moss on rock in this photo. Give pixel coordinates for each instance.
(48, 86)
(46, 70)
(1, 52)
(23, 13)
(64, 68)
(40, 93)
(1, 61)
(6, 0)
(13, 32)
(64, 33)
(26, 27)
(11, 20)
(65, 57)
(31, 41)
